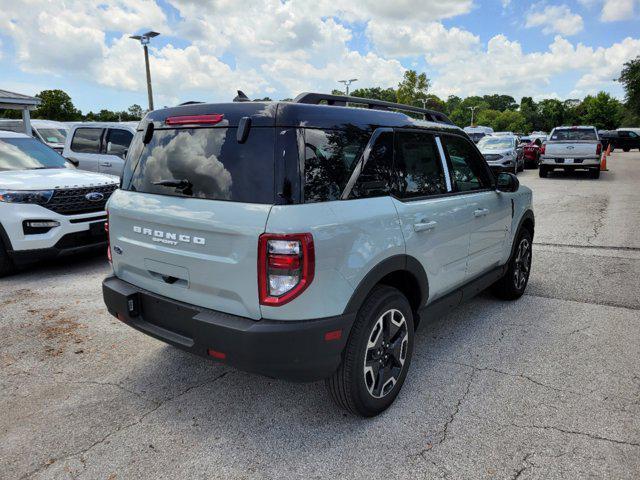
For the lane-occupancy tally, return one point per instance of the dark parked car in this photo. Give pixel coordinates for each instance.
(624, 139)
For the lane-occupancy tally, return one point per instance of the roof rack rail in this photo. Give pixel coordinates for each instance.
(342, 100)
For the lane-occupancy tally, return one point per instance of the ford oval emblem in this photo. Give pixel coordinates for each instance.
(94, 196)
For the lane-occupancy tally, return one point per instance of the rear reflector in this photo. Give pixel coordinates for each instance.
(195, 119)
(333, 335)
(215, 354)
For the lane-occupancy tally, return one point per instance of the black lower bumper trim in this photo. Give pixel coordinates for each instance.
(70, 244)
(290, 350)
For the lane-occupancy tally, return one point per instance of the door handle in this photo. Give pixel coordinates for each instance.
(424, 226)
(105, 164)
(481, 212)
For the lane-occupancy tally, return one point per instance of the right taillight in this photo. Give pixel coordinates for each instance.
(286, 265)
(542, 148)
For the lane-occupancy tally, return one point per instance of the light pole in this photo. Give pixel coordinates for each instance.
(424, 105)
(347, 83)
(144, 40)
(473, 110)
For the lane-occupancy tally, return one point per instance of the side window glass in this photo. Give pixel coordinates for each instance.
(375, 178)
(466, 171)
(86, 140)
(118, 141)
(418, 166)
(329, 159)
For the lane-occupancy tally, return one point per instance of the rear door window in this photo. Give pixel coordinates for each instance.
(119, 140)
(329, 158)
(467, 168)
(375, 180)
(86, 140)
(418, 166)
(206, 163)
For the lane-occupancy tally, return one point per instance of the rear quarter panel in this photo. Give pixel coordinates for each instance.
(350, 238)
(522, 202)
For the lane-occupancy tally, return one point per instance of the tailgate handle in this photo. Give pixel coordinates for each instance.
(169, 279)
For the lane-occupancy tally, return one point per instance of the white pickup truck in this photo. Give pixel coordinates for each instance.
(571, 148)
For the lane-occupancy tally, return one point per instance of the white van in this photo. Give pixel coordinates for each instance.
(49, 132)
(99, 146)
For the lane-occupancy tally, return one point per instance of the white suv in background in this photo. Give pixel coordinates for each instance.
(99, 146)
(48, 208)
(49, 132)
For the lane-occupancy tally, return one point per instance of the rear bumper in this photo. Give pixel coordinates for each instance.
(577, 162)
(290, 350)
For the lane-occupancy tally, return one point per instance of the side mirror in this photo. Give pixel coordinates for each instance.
(507, 182)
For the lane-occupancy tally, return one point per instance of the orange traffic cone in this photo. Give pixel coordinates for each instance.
(608, 152)
(603, 162)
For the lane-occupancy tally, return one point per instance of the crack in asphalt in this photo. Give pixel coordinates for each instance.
(601, 211)
(592, 436)
(588, 247)
(527, 465)
(121, 428)
(516, 375)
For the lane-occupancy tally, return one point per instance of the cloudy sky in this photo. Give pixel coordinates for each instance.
(278, 48)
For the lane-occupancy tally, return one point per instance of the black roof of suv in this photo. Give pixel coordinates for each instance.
(308, 110)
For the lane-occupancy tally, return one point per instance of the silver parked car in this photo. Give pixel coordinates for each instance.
(502, 153)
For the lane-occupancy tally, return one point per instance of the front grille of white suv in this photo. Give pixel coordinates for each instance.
(73, 201)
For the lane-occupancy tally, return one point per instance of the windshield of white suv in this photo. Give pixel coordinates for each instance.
(574, 134)
(495, 143)
(53, 135)
(28, 154)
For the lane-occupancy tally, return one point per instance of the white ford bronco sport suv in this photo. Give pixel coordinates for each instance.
(307, 240)
(48, 208)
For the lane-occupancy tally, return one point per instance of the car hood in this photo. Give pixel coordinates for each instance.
(52, 178)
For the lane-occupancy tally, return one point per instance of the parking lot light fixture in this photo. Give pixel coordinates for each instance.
(144, 40)
(347, 83)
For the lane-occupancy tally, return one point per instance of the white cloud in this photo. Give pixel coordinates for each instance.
(613, 10)
(554, 19)
(503, 67)
(276, 48)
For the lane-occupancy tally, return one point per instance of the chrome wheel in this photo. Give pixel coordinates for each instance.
(386, 353)
(522, 264)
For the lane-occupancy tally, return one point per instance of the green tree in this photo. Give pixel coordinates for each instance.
(500, 102)
(630, 79)
(413, 88)
(135, 112)
(56, 105)
(552, 114)
(529, 111)
(602, 111)
(376, 93)
(453, 102)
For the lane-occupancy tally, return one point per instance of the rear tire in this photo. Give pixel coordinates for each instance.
(6, 265)
(514, 282)
(543, 172)
(595, 173)
(377, 356)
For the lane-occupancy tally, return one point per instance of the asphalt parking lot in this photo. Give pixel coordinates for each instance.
(544, 387)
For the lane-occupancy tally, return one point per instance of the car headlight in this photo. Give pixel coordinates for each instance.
(38, 197)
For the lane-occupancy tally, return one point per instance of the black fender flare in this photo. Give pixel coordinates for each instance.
(527, 215)
(396, 263)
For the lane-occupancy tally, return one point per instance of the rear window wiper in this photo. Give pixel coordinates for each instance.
(183, 186)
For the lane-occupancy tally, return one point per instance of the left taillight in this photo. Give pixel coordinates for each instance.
(286, 265)
(106, 229)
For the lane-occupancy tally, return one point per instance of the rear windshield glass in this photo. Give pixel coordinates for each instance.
(575, 134)
(206, 163)
(28, 154)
